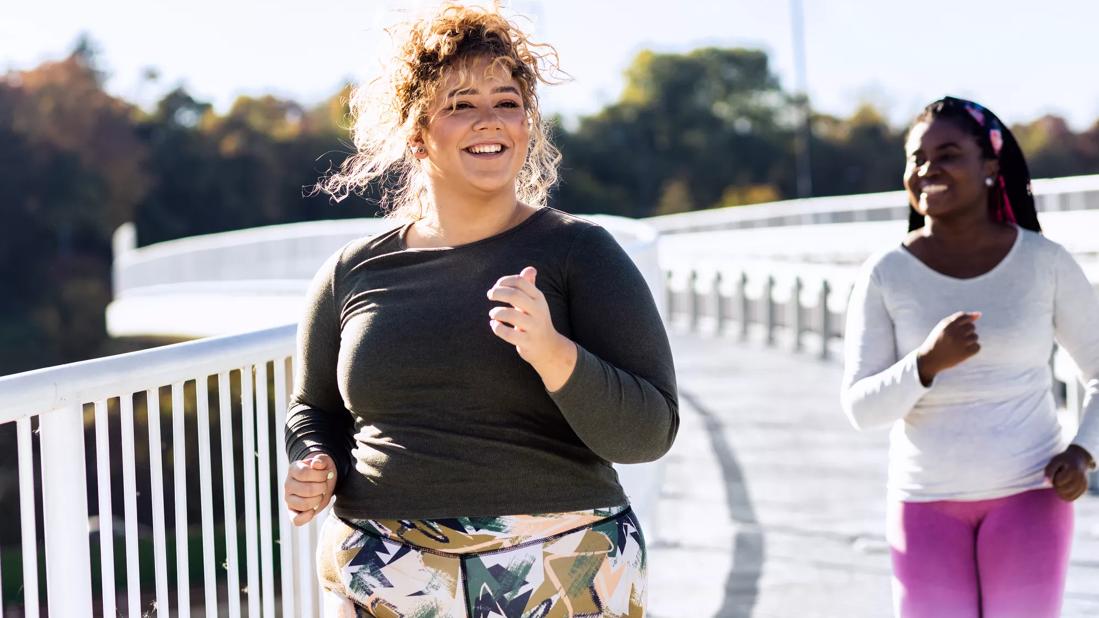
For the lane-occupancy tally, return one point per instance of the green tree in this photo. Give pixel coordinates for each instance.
(710, 119)
(859, 154)
(1053, 149)
(675, 197)
(252, 166)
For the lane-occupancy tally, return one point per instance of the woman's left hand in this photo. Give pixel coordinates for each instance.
(527, 325)
(1068, 472)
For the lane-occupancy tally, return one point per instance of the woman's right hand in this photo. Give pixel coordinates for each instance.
(951, 342)
(308, 487)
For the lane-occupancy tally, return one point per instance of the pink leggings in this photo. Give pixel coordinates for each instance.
(997, 558)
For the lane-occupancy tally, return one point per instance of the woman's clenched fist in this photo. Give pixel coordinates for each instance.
(308, 487)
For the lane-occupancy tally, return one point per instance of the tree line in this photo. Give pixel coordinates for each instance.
(708, 128)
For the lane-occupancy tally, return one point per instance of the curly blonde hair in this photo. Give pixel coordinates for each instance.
(389, 111)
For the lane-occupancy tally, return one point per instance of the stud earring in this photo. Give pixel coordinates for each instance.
(989, 181)
(415, 150)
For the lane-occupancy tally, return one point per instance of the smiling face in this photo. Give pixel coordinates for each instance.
(945, 171)
(478, 131)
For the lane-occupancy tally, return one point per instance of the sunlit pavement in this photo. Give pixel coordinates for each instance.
(772, 505)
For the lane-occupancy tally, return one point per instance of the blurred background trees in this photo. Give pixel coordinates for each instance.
(73, 166)
(708, 128)
(687, 130)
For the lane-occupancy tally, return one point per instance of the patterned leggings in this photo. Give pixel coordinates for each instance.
(582, 563)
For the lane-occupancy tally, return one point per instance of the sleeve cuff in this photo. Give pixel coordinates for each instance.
(1087, 436)
(576, 380)
(910, 373)
(1089, 443)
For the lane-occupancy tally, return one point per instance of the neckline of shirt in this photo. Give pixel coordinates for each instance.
(988, 273)
(403, 231)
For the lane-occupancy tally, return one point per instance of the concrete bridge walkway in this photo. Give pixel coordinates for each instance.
(773, 506)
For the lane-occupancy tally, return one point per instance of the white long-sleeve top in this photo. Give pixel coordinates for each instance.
(987, 427)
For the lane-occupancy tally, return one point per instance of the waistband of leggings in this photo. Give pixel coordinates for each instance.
(627, 511)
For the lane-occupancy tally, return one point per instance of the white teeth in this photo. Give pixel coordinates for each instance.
(485, 148)
(933, 189)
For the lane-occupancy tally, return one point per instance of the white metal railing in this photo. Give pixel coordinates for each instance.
(50, 410)
(847, 243)
(253, 372)
(223, 283)
(278, 252)
(1051, 194)
(802, 306)
(235, 281)
(83, 421)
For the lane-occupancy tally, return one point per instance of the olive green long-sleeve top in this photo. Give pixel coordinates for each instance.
(428, 414)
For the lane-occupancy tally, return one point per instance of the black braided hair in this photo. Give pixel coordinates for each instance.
(1013, 167)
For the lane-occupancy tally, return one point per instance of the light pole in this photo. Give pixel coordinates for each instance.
(804, 131)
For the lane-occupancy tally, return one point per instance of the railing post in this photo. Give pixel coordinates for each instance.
(769, 299)
(669, 296)
(718, 304)
(123, 241)
(742, 300)
(794, 309)
(694, 303)
(825, 319)
(28, 518)
(65, 512)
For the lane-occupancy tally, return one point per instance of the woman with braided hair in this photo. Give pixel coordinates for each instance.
(466, 379)
(948, 341)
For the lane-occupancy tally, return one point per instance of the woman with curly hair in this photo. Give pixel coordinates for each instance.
(466, 379)
(948, 339)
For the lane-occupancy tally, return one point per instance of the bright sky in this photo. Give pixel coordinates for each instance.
(1020, 58)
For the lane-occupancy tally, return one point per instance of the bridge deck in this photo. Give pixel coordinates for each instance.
(774, 506)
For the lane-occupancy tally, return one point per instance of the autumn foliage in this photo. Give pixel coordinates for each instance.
(711, 127)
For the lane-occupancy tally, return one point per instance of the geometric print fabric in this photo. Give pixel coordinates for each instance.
(560, 565)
